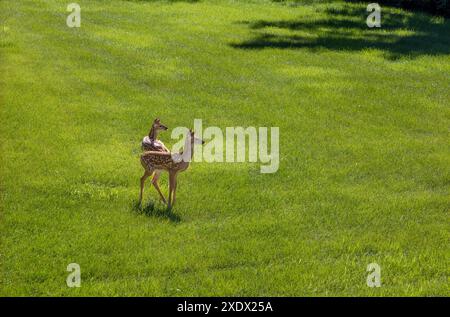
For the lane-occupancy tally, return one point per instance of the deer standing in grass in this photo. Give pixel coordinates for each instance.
(155, 162)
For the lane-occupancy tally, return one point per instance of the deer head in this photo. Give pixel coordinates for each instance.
(158, 126)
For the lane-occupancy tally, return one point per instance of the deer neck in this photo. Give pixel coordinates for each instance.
(153, 134)
(188, 150)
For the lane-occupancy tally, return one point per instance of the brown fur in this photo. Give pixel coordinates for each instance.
(155, 162)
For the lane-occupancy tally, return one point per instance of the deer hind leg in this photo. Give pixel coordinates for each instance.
(146, 175)
(171, 185)
(174, 188)
(155, 184)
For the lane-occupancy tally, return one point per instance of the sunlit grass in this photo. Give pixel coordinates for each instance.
(364, 169)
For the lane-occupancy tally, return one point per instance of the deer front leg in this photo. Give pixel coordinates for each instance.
(155, 184)
(143, 178)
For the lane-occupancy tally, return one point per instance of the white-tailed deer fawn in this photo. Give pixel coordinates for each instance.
(154, 162)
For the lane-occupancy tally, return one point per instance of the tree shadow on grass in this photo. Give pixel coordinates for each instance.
(158, 211)
(402, 34)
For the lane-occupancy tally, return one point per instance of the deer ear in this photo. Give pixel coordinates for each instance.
(157, 120)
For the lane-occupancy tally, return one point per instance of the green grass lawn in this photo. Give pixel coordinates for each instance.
(364, 170)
